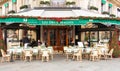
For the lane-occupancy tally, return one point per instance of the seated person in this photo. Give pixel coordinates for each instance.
(86, 44)
(72, 43)
(39, 43)
(33, 43)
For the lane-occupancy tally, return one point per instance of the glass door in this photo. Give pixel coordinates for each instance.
(62, 39)
(52, 37)
(58, 36)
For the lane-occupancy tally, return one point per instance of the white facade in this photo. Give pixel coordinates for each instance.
(84, 4)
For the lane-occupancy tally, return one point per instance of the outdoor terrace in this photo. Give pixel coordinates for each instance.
(60, 64)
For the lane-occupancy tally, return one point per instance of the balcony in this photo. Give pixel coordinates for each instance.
(57, 4)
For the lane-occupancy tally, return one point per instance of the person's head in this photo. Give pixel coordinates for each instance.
(38, 40)
(24, 36)
(33, 39)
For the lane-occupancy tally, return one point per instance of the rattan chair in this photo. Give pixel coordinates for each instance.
(109, 54)
(28, 53)
(45, 55)
(78, 55)
(94, 55)
(5, 57)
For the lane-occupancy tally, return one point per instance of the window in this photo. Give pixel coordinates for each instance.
(104, 36)
(110, 8)
(102, 7)
(103, 2)
(118, 12)
(52, 38)
(93, 36)
(58, 3)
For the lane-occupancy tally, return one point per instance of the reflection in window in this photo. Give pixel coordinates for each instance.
(12, 34)
(45, 35)
(70, 38)
(104, 36)
(93, 36)
(52, 37)
(62, 37)
(86, 36)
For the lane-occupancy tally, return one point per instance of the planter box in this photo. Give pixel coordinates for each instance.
(94, 11)
(23, 9)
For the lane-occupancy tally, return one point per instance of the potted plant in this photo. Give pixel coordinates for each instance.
(112, 15)
(11, 11)
(41, 2)
(114, 44)
(70, 4)
(93, 8)
(45, 3)
(24, 7)
(107, 13)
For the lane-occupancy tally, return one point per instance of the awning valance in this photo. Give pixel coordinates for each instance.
(6, 4)
(103, 1)
(110, 5)
(14, 1)
(57, 21)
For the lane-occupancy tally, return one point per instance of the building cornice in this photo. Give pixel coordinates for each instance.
(116, 2)
(3, 1)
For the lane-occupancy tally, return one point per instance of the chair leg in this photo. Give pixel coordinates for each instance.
(90, 58)
(30, 58)
(77, 58)
(39, 56)
(73, 57)
(15, 57)
(93, 58)
(52, 56)
(8, 59)
(80, 58)
(47, 57)
(111, 56)
(25, 58)
(2, 59)
(106, 57)
(42, 58)
(67, 56)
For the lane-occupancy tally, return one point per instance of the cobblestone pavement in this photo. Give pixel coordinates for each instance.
(59, 63)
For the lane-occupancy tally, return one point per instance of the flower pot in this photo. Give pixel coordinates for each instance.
(94, 10)
(45, 5)
(23, 9)
(71, 5)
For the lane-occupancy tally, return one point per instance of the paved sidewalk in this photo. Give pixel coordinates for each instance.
(59, 63)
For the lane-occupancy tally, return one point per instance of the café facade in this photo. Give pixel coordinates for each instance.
(57, 27)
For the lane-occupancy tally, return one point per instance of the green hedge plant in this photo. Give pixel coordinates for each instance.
(93, 8)
(112, 15)
(70, 3)
(107, 13)
(45, 2)
(24, 7)
(12, 11)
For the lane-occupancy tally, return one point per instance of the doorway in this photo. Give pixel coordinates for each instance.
(58, 36)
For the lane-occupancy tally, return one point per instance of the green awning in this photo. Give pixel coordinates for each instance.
(110, 5)
(103, 1)
(14, 1)
(35, 21)
(6, 4)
